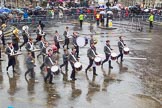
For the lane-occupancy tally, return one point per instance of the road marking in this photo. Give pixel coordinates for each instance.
(142, 38)
(135, 58)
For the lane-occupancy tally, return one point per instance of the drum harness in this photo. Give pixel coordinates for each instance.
(73, 57)
(108, 48)
(122, 43)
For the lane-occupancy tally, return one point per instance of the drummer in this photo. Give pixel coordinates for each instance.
(66, 34)
(56, 40)
(11, 59)
(75, 35)
(72, 60)
(65, 60)
(49, 62)
(25, 37)
(30, 46)
(107, 50)
(43, 53)
(91, 53)
(41, 46)
(121, 47)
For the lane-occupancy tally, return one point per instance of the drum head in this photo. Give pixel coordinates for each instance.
(113, 54)
(80, 41)
(54, 68)
(97, 59)
(126, 49)
(77, 64)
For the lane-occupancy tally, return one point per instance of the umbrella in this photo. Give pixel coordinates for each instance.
(146, 10)
(115, 7)
(2, 10)
(109, 12)
(102, 12)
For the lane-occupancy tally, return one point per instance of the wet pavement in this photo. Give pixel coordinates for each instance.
(135, 83)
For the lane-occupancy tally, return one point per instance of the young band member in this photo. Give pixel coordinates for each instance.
(39, 33)
(11, 59)
(72, 60)
(65, 60)
(41, 46)
(43, 53)
(15, 39)
(91, 53)
(107, 50)
(66, 34)
(121, 47)
(25, 38)
(49, 63)
(56, 40)
(30, 62)
(30, 46)
(75, 44)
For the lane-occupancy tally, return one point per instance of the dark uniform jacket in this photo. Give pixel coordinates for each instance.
(65, 57)
(121, 45)
(30, 46)
(48, 61)
(74, 41)
(25, 36)
(66, 35)
(30, 63)
(107, 49)
(9, 51)
(91, 52)
(72, 58)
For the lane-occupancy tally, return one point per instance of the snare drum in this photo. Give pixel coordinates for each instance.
(78, 66)
(81, 41)
(113, 56)
(55, 69)
(97, 61)
(126, 50)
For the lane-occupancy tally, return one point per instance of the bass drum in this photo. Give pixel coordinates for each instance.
(81, 41)
(78, 66)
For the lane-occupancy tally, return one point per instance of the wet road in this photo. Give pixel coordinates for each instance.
(135, 83)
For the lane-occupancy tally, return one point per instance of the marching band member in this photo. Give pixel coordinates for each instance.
(30, 62)
(66, 34)
(56, 40)
(92, 40)
(91, 53)
(43, 53)
(107, 50)
(15, 40)
(75, 44)
(25, 37)
(30, 46)
(72, 60)
(121, 47)
(39, 33)
(11, 59)
(2, 35)
(41, 46)
(65, 60)
(48, 62)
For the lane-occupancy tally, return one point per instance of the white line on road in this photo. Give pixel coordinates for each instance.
(135, 58)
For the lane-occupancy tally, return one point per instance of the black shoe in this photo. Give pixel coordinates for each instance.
(95, 74)
(111, 67)
(51, 83)
(73, 79)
